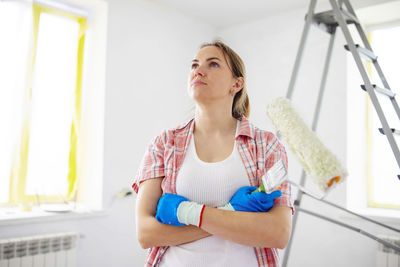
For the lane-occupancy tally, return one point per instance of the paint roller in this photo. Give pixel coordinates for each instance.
(320, 164)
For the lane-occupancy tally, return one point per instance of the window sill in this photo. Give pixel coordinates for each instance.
(10, 216)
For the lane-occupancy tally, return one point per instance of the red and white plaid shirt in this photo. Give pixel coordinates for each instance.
(258, 149)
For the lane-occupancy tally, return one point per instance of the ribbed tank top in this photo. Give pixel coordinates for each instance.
(212, 184)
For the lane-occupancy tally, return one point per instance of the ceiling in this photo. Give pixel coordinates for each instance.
(226, 13)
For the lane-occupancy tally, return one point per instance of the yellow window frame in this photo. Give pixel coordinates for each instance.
(20, 161)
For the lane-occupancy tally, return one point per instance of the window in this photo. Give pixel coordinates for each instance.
(382, 182)
(50, 119)
(373, 187)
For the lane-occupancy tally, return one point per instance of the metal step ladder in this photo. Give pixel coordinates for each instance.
(341, 15)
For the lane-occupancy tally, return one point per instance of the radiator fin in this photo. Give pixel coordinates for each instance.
(388, 257)
(52, 250)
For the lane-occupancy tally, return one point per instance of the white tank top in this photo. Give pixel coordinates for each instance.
(212, 184)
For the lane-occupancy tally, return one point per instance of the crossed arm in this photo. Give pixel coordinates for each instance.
(152, 233)
(267, 229)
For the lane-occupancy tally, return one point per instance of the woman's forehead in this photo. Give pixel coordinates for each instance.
(209, 51)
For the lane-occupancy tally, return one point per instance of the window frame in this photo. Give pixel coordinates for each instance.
(19, 166)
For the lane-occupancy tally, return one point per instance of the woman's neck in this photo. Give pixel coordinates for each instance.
(210, 122)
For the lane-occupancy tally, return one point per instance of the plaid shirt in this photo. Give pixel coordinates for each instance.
(258, 149)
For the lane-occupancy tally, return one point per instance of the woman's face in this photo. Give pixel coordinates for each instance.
(210, 76)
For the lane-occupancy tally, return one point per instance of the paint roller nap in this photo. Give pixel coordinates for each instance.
(321, 165)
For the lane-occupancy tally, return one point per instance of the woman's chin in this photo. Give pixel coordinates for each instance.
(195, 94)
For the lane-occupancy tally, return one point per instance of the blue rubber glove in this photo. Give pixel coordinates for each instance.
(167, 209)
(179, 211)
(245, 200)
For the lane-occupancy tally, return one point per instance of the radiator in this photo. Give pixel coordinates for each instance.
(52, 250)
(388, 257)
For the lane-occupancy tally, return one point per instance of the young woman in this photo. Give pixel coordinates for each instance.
(195, 205)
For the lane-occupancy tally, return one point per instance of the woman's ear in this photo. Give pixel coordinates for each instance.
(239, 84)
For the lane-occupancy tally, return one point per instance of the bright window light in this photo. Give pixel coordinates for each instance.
(15, 26)
(384, 184)
(53, 100)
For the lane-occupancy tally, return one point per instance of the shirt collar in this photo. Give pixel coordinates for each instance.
(245, 128)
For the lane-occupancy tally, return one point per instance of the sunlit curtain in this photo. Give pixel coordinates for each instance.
(40, 101)
(15, 54)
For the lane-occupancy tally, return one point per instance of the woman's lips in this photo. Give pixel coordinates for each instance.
(196, 83)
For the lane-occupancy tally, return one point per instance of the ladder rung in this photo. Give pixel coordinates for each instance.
(393, 130)
(383, 91)
(367, 54)
(328, 18)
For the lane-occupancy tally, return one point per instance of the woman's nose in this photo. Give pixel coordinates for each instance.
(199, 71)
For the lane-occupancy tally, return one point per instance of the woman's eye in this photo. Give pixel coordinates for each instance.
(214, 64)
(194, 66)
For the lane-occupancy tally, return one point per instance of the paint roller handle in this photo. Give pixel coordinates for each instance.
(273, 178)
(261, 188)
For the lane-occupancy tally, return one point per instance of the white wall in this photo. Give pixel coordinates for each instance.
(148, 57)
(150, 48)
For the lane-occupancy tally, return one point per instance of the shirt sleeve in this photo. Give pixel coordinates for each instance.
(152, 165)
(275, 152)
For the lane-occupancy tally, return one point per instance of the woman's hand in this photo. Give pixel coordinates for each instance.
(251, 228)
(149, 231)
(167, 209)
(244, 200)
(178, 211)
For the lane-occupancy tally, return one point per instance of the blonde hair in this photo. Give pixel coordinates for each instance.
(241, 103)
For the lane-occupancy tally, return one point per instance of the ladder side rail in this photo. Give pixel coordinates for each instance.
(314, 127)
(376, 64)
(386, 85)
(294, 221)
(306, 29)
(393, 245)
(378, 69)
(328, 57)
(300, 51)
(368, 85)
(367, 45)
(358, 25)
